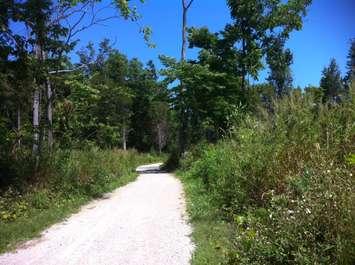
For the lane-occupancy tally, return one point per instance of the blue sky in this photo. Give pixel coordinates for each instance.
(326, 33)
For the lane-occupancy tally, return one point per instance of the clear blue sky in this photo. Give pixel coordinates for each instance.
(327, 30)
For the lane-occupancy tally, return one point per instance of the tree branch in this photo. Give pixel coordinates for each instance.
(188, 6)
(67, 70)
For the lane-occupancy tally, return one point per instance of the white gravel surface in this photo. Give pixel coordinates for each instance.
(142, 223)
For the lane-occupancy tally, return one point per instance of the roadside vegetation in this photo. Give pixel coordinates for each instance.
(281, 185)
(63, 183)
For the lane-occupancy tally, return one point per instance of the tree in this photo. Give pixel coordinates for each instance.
(209, 99)
(185, 8)
(181, 97)
(279, 61)
(228, 59)
(331, 83)
(350, 65)
(147, 92)
(131, 106)
(50, 28)
(254, 24)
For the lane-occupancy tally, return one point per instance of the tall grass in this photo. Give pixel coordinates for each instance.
(64, 181)
(285, 182)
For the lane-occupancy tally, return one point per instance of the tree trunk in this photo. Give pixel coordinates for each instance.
(36, 107)
(19, 126)
(36, 98)
(183, 113)
(160, 140)
(124, 138)
(243, 66)
(184, 23)
(49, 113)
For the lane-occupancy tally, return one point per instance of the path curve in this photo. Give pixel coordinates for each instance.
(142, 223)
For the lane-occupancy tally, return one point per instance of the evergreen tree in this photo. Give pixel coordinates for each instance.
(350, 65)
(279, 61)
(331, 83)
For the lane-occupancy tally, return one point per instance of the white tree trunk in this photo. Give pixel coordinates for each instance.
(124, 138)
(183, 31)
(36, 99)
(182, 134)
(160, 139)
(49, 113)
(36, 108)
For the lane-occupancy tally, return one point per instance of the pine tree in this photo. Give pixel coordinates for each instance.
(279, 60)
(350, 65)
(331, 83)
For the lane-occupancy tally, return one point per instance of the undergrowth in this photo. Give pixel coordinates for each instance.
(64, 181)
(284, 184)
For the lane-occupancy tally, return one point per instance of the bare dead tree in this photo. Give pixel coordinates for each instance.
(183, 111)
(185, 8)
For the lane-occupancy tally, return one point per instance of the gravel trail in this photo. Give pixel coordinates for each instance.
(142, 223)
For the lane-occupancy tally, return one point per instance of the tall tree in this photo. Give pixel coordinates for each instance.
(279, 60)
(253, 24)
(350, 65)
(185, 8)
(228, 58)
(331, 83)
(143, 82)
(183, 126)
(241, 46)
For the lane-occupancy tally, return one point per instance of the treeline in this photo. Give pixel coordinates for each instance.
(224, 77)
(106, 100)
(47, 102)
(114, 102)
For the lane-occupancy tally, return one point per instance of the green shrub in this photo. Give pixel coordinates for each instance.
(64, 180)
(285, 181)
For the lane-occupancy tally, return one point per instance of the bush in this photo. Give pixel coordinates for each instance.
(284, 180)
(64, 180)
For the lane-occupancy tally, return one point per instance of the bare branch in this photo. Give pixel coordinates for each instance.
(67, 70)
(186, 5)
(189, 4)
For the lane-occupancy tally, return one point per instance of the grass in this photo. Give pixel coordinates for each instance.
(69, 182)
(27, 227)
(211, 234)
(278, 190)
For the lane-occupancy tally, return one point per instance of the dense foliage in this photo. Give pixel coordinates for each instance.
(285, 181)
(215, 83)
(62, 184)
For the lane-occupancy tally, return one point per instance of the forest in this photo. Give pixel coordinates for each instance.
(267, 167)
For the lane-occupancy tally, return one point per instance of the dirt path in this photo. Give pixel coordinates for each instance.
(141, 223)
